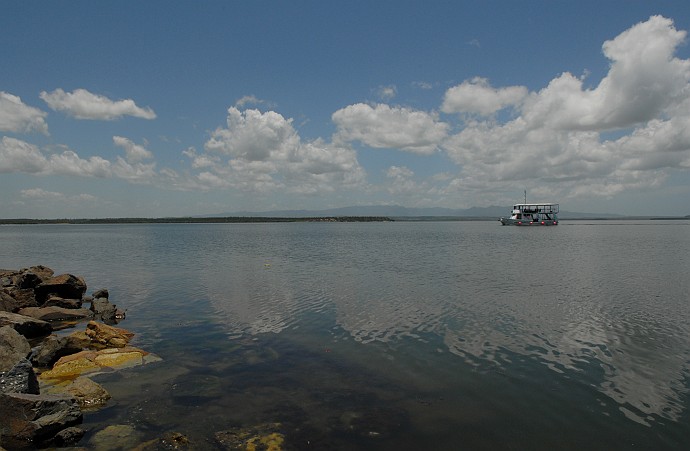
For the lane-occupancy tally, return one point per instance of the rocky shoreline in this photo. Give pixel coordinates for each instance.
(44, 377)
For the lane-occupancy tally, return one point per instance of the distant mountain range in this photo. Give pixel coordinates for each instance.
(397, 211)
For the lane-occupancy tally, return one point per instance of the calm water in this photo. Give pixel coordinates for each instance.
(421, 335)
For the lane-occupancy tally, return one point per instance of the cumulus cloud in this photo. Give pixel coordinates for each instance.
(83, 104)
(134, 152)
(18, 156)
(387, 92)
(17, 117)
(382, 126)
(261, 151)
(556, 141)
(476, 96)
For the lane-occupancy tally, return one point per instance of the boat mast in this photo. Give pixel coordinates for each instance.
(525, 196)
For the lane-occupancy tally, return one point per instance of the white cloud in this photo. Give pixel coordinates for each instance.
(20, 156)
(17, 117)
(38, 193)
(395, 128)
(248, 100)
(83, 104)
(133, 152)
(476, 96)
(263, 152)
(387, 92)
(554, 145)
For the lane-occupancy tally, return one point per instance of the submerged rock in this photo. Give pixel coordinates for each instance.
(261, 437)
(116, 437)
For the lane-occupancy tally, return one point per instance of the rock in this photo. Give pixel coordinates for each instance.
(7, 302)
(103, 310)
(43, 272)
(52, 348)
(13, 348)
(65, 286)
(19, 299)
(109, 336)
(87, 362)
(115, 437)
(102, 293)
(31, 420)
(55, 301)
(19, 379)
(28, 279)
(27, 326)
(169, 441)
(68, 437)
(55, 313)
(260, 437)
(89, 394)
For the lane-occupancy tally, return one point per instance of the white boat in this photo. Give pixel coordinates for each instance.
(533, 214)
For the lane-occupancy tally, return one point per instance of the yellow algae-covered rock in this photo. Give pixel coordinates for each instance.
(113, 337)
(120, 357)
(72, 366)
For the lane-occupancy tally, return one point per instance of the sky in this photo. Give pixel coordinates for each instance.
(156, 108)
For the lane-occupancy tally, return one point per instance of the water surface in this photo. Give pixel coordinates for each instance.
(405, 335)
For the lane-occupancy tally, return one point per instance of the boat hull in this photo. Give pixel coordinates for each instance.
(520, 222)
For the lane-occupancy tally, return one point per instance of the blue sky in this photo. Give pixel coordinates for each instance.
(128, 108)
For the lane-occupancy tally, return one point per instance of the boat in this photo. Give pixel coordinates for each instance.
(532, 214)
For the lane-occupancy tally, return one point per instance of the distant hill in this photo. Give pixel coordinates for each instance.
(397, 211)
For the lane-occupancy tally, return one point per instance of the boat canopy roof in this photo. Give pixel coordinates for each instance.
(548, 207)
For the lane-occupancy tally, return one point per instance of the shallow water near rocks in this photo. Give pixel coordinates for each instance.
(405, 335)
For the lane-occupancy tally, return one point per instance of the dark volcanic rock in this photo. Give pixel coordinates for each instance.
(13, 348)
(65, 286)
(68, 437)
(20, 379)
(30, 420)
(27, 326)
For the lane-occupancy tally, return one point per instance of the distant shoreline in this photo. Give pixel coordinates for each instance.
(191, 220)
(261, 219)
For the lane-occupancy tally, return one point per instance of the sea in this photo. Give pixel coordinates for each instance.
(405, 335)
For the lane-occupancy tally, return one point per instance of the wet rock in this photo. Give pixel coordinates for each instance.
(86, 362)
(116, 437)
(65, 286)
(106, 335)
(89, 394)
(30, 420)
(55, 301)
(103, 310)
(68, 437)
(261, 437)
(27, 326)
(170, 441)
(13, 348)
(52, 348)
(19, 379)
(56, 313)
